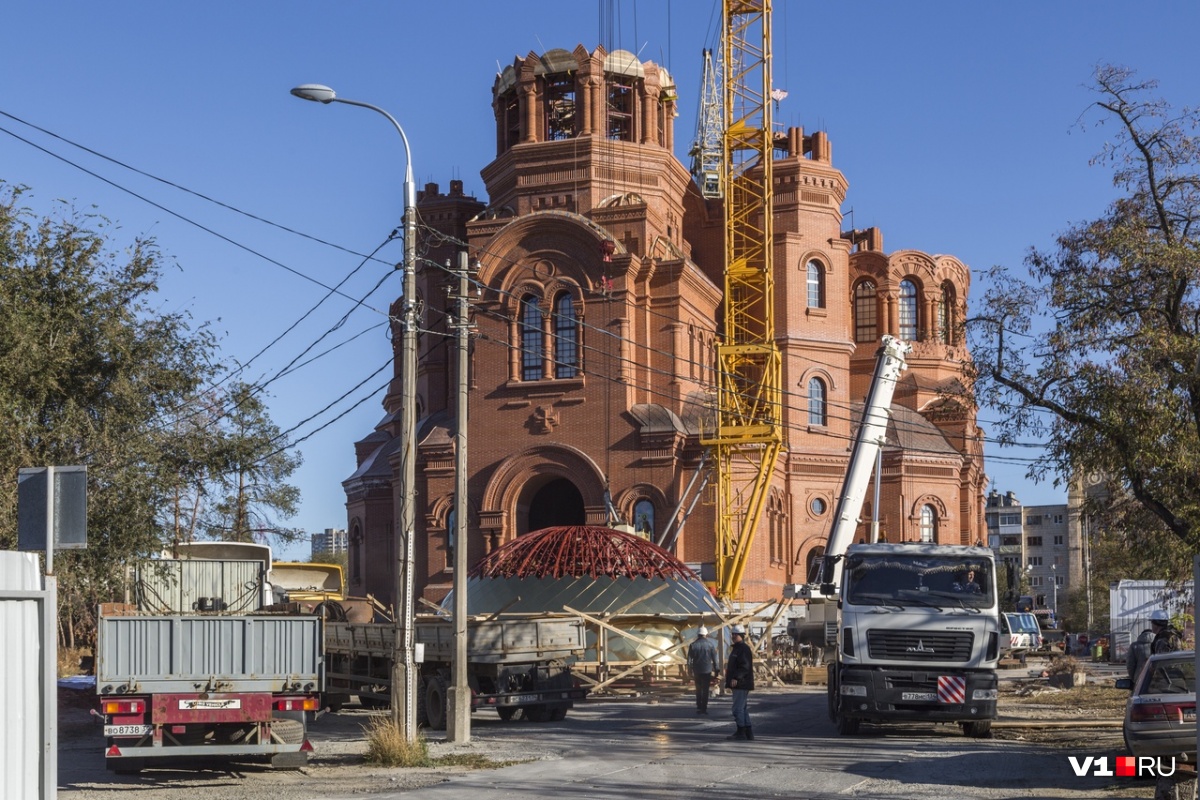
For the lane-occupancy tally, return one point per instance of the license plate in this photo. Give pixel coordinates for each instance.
(209, 705)
(126, 730)
(930, 697)
(526, 698)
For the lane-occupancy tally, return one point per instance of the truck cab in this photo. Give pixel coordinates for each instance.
(918, 638)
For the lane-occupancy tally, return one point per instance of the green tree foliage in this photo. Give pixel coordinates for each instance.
(88, 372)
(94, 373)
(1098, 349)
(249, 485)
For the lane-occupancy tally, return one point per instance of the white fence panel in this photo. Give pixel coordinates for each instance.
(29, 701)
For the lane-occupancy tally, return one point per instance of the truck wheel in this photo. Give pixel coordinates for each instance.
(506, 712)
(558, 713)
(287, 731)
(336, 702)
(538, 713)
(846, 725)
(435, 703)
(978, 729)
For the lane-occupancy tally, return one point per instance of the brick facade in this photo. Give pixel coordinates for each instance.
(600, 271)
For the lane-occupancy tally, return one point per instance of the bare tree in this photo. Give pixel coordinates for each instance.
(1097, 350)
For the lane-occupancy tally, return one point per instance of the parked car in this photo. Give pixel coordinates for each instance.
(1019, 633)
(1160, 718)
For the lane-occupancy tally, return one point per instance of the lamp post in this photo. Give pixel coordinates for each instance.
(404, 706)
(1054, 583)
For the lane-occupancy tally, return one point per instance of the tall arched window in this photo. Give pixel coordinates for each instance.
(866, 327)
(531, 339)
(816, 285)
(813, 562)
(908, 311)
(451, 530)
(946, 314)
(643, 518)
(928, 523)
(816, 402)
(566, 338)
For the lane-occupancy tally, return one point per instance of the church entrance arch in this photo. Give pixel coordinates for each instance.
(557, 501)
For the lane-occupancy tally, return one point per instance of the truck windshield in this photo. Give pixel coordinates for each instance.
(943, 581)
(1024, 623)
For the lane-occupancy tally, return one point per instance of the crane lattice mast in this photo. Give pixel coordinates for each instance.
(710, 125)
(749, 436)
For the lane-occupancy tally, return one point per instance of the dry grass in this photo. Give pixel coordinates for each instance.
(387, 747)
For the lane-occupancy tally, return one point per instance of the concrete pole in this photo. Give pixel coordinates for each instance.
(459, 722)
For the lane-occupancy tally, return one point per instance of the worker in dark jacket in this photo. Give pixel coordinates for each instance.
(739, 679)
(1166, 638)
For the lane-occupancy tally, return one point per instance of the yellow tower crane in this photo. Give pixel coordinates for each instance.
(749, 433)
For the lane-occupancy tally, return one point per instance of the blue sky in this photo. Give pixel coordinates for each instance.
(956, 123)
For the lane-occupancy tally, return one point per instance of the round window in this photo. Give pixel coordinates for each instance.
(817, 506)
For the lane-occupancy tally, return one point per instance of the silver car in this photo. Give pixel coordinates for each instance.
(1160, 718)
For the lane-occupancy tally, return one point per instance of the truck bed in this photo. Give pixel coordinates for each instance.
(194, 653)
(499, 640)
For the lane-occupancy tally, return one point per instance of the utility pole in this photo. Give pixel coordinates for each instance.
(459, 695)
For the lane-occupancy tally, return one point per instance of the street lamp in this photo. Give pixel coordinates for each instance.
(1054, 583)
(404, 706)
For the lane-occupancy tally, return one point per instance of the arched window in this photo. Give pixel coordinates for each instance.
(621, 100)
(816, 402)
(865, 313)
(816, 285)
(559, 94)
(908, 311)
(813, 562)
(532, 368)
(946, 314)
(928, 523)
(643, 518)
(566, 338)
(451, 529)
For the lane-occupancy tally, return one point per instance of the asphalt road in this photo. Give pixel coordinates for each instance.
(641, 750)
(635, 751)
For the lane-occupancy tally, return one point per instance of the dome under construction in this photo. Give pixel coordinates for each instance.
(587, 568)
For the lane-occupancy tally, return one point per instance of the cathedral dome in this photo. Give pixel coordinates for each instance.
(586, 568)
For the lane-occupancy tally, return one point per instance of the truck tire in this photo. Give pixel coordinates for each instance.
(978, 728)
(558, 713)
(287, 731)
(336, 702)
(435, 703)
(847, 726)
(507, 712)
(538, 713)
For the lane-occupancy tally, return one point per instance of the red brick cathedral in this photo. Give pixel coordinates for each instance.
(592, 373)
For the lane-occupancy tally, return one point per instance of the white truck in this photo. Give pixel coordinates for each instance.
(914, 635)
(198, 666)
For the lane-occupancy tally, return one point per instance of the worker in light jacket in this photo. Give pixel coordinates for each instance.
(739, 679)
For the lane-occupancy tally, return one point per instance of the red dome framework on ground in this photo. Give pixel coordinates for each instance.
(579, 551)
